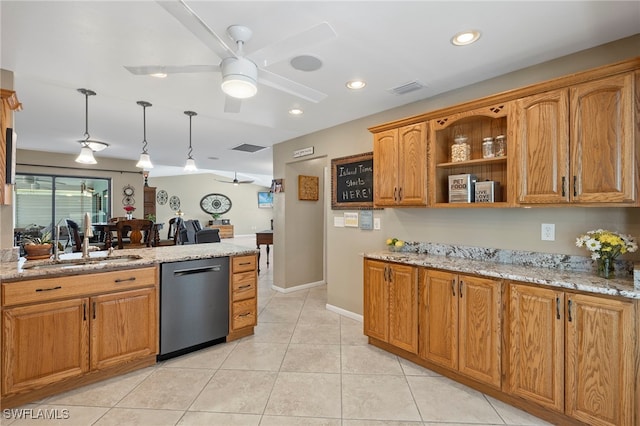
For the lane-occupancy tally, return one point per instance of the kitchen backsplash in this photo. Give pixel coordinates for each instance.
(516, 257)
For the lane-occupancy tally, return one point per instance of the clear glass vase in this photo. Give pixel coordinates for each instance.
(605, 267)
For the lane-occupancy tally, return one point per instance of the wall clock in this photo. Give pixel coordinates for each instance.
(128, 191)
(174, 203)
(215, 203)
(162, 197)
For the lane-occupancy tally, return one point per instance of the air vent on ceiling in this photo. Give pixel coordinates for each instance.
(406, 87)
(247, 147)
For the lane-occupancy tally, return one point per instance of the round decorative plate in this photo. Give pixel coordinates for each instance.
(174, 203)
(128, 191)
(215, 203)
(162, 197)
(128, 201)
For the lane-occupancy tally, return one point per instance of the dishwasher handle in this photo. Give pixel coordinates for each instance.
(189, 271)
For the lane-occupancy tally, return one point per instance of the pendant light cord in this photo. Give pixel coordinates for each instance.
(144, 105)
(190, 151)
(86, 93)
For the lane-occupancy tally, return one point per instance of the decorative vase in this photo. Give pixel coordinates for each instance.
(129, 216)
(605, 267)
(38, 251)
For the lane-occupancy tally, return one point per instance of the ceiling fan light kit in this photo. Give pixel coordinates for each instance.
(145, 160)
(86, 154)
(239, 78)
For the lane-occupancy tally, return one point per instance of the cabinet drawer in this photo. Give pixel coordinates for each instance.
(244, 314)
(244, 285)
(244, 263)
(45, 289)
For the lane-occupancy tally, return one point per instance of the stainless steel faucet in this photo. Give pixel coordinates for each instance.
(88, 232)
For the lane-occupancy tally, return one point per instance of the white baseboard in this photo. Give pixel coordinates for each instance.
(344, 312)
(298, 287)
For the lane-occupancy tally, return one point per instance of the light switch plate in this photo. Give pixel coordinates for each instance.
(548, 232)
(376, 223)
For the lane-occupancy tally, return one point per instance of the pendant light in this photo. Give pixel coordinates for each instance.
(145, 160)
(190, 166)
(86, 153)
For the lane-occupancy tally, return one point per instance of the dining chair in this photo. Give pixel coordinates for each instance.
(76, 239)
(140, 234)
(173, 234)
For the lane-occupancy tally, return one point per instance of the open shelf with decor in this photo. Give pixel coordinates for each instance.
(467, 131)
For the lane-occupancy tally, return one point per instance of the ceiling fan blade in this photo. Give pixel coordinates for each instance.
(171, 69)
(282, 49)
(232, 104)
(289, 86)
(187, 17)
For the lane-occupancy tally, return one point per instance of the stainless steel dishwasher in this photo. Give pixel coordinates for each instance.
(194, 305)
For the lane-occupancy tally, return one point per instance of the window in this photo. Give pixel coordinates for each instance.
(44, 200)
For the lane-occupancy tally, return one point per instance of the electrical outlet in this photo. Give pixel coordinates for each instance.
(548, 232)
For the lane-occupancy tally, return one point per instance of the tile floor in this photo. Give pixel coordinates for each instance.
(304, 366)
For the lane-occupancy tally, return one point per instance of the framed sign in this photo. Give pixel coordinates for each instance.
(308, 188)
(352, 182)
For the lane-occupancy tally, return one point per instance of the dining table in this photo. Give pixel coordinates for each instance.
(105, 231)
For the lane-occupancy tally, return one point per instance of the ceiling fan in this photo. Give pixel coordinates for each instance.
(235, 180)
(241, 73)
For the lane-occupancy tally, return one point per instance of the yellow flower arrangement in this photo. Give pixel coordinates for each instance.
(394, 244)
(605, 246)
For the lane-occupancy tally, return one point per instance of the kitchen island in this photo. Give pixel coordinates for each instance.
(558, 342)
(76, 321)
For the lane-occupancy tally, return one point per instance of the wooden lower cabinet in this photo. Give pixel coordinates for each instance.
(460, 319)
(243, 309)
(55, 338)
(573, 353)
(391, 303)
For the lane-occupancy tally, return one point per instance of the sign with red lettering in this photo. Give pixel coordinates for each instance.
(352, 182)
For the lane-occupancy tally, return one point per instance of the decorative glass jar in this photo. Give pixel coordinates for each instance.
(460, 150)
(487, 148)
(500, 146)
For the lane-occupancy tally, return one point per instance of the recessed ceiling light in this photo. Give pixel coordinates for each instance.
(465, 37)
(356, 84)
(159, 75)
(296, 111)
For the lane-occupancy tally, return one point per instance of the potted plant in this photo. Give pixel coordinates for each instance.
(216, 219)
(38, 247)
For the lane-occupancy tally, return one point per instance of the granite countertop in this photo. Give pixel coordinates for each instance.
(11, 271)
(622, 286)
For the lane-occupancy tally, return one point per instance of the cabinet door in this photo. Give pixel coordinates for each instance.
(403, 307)
(412, 165)
(603, 153)
(543, 148)
(535, 342)
(44, 343)
(385, 168)
(376, 300)
(600, 360)
(123, 327)
(479, 329)
(439, 318)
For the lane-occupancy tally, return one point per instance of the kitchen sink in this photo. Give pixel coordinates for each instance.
(70, 263)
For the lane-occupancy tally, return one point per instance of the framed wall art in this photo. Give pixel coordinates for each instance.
(308, 188)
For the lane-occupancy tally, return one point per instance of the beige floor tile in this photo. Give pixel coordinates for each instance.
(279, 313)
(57, 415)
(443, 400)
(377, 397)
(514, 416)
(312, 358)
(297, 421)
(352, 334)
(272, 332)
(381, 423)
(299, 295)
(358, 359)
(318, 316)
(411, 369)
(210, 358)
(326, 334)
(236, 391)
(251, 355)
(192, 418)
(138, 417)
(102, 394)
(306, 395)
(168, 388)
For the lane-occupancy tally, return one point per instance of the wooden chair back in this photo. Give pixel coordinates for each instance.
(140, 234)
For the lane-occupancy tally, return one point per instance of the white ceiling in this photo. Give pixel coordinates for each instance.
(56, 47)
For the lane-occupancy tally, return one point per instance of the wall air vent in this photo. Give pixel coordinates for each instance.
(247, 147)
(406, 87)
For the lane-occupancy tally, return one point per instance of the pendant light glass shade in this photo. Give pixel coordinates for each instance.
(145, 160)
(86, 154)
(190, 165)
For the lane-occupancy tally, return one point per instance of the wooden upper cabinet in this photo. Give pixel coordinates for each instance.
(577, 145)
(400, 166)
(543, 147)
(603, 151)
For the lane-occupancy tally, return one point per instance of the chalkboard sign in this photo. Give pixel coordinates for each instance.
(352, 182)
